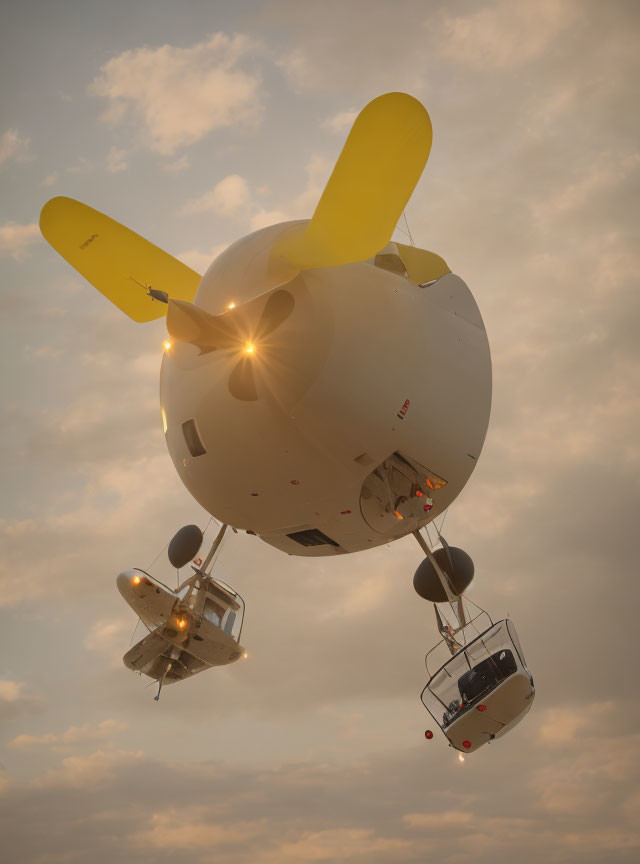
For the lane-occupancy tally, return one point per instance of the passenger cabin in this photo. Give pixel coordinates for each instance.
(482, 691)
(193, 628)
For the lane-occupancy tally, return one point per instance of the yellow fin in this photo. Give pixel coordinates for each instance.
(118, 262)
(422, 266)
(373, 179)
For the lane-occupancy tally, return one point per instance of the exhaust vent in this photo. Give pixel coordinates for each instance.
(312, 537)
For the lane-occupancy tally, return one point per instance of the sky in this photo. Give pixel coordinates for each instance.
(194, 124)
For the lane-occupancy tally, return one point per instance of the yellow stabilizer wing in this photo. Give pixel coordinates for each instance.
(118, 262)
(422, 266)
(373, 179)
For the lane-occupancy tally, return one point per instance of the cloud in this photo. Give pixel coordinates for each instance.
(191, 828)
(606, 172)
(112, 638)
(16, 239)
(82, 166)
(50, 179)
(88, 772)
(199, 260)
(119, 802)
(71, 737)
(340, 122)
(337, 844)
(262, 218)
(446, 820)
(174, 96)
(568, 725)
(505, 34)
(14, 146)
(176, 166)
(16, 700)
(116, 160)
(233, 197)
(229, 197)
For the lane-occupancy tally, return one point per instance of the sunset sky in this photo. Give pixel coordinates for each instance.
(195, 123)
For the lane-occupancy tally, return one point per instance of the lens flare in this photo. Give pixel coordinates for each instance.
(166, 345)
(249, 348)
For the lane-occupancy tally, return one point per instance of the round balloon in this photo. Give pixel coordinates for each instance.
(455, 563)
(184, 545)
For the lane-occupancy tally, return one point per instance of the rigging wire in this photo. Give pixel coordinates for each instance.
(439, 530)
(165, 547)
(404, 213)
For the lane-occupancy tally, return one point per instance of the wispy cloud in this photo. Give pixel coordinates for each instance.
(505, 34)
(15, 239)
(340, 122)
(71, 737)
(16, 699)
(229, 197)
(174, 96)
(14, 146)
(116, 160)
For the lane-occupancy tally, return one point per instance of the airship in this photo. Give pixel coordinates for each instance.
(322, 387)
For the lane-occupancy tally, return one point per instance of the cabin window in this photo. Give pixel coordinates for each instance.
(192, 438)
(213, 612)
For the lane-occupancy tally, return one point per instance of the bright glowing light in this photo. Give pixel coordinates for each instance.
(164, 420)
(136, 580)
(460, 757)
(249, 348)
(182, 623)
(166, 345)
(231, 305)
(245, 655)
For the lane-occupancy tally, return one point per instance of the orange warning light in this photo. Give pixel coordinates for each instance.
(136, 580)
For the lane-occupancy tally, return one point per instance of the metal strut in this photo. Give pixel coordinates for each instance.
(214, 549)
(454, 601)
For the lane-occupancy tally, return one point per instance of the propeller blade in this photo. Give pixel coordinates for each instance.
(276, 311)
(373, 179)
(121, 264)
(189, 323)
(242, 383)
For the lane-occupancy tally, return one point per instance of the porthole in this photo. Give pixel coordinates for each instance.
(192, 438)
